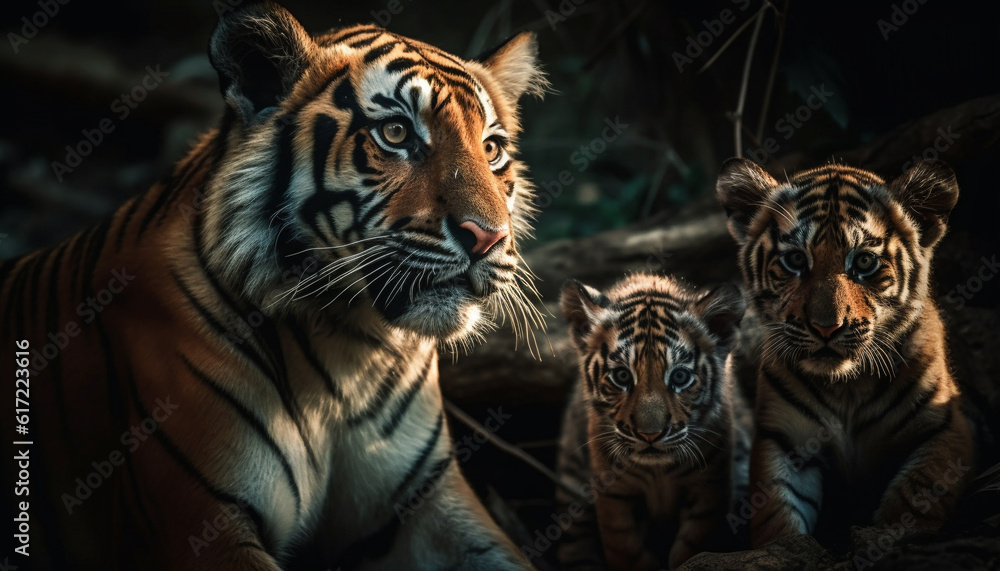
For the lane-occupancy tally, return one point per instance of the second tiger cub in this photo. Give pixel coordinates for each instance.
(649, 433)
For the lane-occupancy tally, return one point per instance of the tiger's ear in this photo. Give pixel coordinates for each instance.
(928, 191)
(583, 307)
(722, 309)
(260, 51)
(514, 65)
(741, 188)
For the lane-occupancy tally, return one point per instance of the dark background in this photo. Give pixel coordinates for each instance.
(611, 60)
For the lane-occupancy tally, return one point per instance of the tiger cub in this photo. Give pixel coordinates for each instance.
(858, 416)
(648, 436)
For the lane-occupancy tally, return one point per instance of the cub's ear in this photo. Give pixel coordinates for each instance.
(722, 309)
(928, 191)
(742, 188)
(260, 51)
(583, 307)
(514, 65)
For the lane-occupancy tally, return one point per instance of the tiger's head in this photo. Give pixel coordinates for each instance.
(652, 353)
(388, 161)
(835, 260)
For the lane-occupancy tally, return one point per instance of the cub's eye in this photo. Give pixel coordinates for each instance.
(394, 131)
(681, 378)
(865, 263)
(794, 261)
(493, 149)
(621, 377)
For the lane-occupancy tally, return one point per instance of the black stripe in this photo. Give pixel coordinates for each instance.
(325, 129)
(161, 199)
(118, 410)
(380, 51)
(195, 474)
(126, 218)
(389, 382)
(310, 354)
(788, 396)
(931, 433)
(93, 253)
(282, 388)
(877, 415)
(211, 155)
(425, 452)
(255, 423)
(389, 428)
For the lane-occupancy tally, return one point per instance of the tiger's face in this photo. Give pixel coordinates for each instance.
(652, 353)
(836, 261)
(390, 161)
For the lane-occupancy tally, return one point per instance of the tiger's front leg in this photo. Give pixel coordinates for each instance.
(623, 542)
(701, 525)
(932, 479)
(792, 485)
(449, 528)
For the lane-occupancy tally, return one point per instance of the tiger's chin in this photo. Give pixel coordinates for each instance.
(450, 314)
(830, 364)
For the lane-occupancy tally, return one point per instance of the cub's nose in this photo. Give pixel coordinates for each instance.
(476, 240)
(826, 331)
(649, 436)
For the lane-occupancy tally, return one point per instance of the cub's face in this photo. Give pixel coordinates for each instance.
(389, 160)
(836, 261)
(652, 354)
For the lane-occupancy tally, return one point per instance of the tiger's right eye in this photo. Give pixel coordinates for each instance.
(394, 131)
(621, 377)
(794, 261)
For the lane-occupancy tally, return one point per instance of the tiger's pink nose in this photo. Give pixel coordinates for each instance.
(826, 331)
(485, 239)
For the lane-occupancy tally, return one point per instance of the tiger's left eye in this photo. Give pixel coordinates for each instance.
(865, 263)
(394, 132)
(493, 150)
(681, 378)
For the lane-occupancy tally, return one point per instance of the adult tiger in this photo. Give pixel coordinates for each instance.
(858, 417)
(232, 409)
